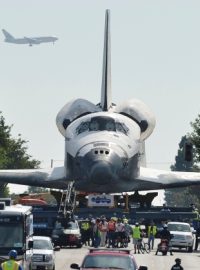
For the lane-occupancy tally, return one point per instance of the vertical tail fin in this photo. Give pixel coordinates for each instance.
(7, 35)
(106, 77)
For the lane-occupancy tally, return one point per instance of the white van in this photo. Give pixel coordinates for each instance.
(182, 235)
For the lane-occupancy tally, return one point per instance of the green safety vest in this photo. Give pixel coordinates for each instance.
(10, 265)
(136, 232)
(152, 231)
(85, 226)
(197, 214)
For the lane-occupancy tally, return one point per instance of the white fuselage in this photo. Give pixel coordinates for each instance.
(31, 40)
(102, 145)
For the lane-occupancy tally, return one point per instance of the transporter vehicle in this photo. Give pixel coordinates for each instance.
(182, 235)
(16, 228)
(109, 259)
(67, 236)
(42, 255)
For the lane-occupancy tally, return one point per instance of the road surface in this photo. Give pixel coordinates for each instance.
(190, 261)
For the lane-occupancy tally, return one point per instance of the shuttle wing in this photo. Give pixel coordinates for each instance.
(160, 179)
(48, 178)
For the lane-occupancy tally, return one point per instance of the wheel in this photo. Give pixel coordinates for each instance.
(146, 247)
(141, 249)
(79, 245)
(190, 249)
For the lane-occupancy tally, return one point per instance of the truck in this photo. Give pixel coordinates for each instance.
(16, 229)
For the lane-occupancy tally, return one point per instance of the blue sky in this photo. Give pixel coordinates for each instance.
(155, 58)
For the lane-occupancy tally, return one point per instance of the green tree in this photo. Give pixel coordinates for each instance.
(13, 153)
(195, 137)
(180, 196)
(186, 196)
(180, 163)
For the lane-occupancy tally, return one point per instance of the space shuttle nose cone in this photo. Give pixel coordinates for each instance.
(101, 173)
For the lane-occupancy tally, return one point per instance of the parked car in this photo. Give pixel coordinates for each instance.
(183, 236)
(108, 259)
(67, 236)
(42, 254)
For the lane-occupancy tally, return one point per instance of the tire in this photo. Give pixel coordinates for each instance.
(146, 247)
(142, 250)
(190, 249)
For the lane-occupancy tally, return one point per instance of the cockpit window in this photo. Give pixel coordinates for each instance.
(121, 127)
(110, 126)
(94, 125)
(101, 123)
(84, 126)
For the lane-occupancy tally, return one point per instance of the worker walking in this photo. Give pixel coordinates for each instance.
(11, 263)
(136, 234)
(152, 230)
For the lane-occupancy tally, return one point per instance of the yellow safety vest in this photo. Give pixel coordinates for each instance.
(152, 231)
(197, 214)
(85, 226)
(136, 233)
(10, 265)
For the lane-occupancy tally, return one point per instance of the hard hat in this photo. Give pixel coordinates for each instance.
(136, 224)
(12, 254)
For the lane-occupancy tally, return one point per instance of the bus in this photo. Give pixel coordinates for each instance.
(16, 229)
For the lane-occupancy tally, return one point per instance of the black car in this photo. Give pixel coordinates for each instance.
(68, 235)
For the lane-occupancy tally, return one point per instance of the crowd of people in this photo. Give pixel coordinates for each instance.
(103, 232)
(115, 232)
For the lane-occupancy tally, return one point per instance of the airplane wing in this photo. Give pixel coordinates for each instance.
(32, 40)
(149, 179)
(160, 179)
(48, 178)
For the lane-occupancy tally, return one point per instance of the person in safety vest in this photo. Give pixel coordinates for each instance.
(11, 263)
(196, 218)
(85, 231)
(151, 232)
(137, 235)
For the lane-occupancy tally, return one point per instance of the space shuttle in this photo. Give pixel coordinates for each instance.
(104, 145)
(28, 40)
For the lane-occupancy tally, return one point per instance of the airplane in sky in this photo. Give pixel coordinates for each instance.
(28, 40)
(104, 145)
